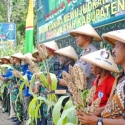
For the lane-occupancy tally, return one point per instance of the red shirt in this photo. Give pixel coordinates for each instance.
(104, 89)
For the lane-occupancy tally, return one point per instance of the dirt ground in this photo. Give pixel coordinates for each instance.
(4, 118)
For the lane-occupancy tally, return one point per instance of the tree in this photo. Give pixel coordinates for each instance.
(16, 11)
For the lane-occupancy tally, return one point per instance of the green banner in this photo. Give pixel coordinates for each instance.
(60, 16)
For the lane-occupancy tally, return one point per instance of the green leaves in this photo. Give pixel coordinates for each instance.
(21, 90)
(34, 108)
(54, 81)
(44, 80)
(64, 115)
(84, 94)
(56, 112)
(71, 117)
(6, 66)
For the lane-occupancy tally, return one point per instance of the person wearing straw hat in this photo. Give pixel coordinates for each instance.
(53, 62)
(114, 112)
(84, 36)
(1, 62)
(36, 56)
(38, 87)
(4, 77)
(7, 79)
(26, 96)
(54, 67)
(5, 59)
(17, 104)
(102, 63)
(67, 56)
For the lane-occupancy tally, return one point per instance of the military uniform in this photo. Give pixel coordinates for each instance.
(54, 67)
(85, 65)
(6, 96)
(14, 92)
(115, 107)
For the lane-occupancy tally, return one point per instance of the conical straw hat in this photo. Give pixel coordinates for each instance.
(51, 45)
(1, 61)
(103, 59)
(68, 52)
(29, 55)
(112, 37)
(88, 30)
(17, 55)
(5, 57)
(34, 54)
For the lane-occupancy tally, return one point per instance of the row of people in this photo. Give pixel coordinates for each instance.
(93, 63)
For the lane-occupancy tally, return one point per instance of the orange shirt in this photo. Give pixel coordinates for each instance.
(104, 89)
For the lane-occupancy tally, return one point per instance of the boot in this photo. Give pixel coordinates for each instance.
(14, 120)
(18, 122)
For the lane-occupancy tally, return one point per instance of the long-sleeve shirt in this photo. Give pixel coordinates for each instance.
(29, 74)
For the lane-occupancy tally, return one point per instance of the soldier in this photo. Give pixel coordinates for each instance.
(27, 97)
(114, 112)
(54, 65)
(6, 98)
(84, 37)
(17, 104)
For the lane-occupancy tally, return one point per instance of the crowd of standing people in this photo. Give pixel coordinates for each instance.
(97, 65)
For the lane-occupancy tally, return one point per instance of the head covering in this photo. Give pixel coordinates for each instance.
(112, 37)
(29, 55)
(68, 52)
(51, 45)
(17, 55)
(5, 57)
(1, 61)
(101, 58)
(88, 30)
(35, 53)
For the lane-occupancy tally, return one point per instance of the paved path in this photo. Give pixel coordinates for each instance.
(4, 119)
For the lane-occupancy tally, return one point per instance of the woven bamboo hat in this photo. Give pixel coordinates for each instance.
(88, 30)
(29, 55)
(17, 55)
(112, 37)
(35, 53)
(5, 57)
(103, 59)
(68, 52)
(1, 61)
(51, 45)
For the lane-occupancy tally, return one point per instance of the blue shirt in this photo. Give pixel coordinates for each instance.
(8, 74)
(59, 75)
(29, 74)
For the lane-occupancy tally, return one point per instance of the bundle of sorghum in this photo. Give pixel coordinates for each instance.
(77, 83)
(42, 51)
(17, 73)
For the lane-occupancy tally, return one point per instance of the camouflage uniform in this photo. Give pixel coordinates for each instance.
(14, 92)
(54, 67)
(85, 65)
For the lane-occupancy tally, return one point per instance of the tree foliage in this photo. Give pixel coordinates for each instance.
(16, 11)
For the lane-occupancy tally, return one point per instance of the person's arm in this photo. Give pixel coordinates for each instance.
(92, 120)
(113, 121)
(99, 111)
(62, 82)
